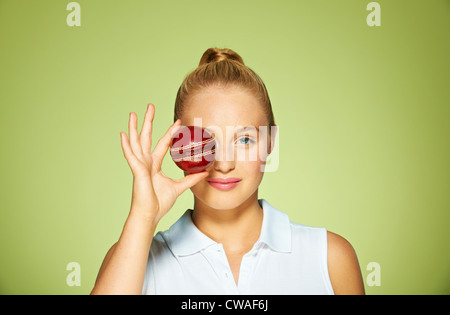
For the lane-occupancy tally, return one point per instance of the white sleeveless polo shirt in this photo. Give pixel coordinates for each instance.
(288, 258)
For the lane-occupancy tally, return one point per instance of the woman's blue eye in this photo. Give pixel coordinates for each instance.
(246, 141)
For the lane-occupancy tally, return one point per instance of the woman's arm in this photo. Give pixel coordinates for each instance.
(343, 266)
(123, 269)
(153, 195)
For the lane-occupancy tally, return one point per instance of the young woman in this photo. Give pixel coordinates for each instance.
(231, 242)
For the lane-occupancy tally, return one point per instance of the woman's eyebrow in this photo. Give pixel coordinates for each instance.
(246, 128)
(212, 129)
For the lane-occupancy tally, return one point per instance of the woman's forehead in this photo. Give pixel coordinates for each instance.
(224, 108)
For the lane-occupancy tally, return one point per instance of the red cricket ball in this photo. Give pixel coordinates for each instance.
(192, 149)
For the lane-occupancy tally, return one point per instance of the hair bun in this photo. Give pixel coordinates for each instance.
(218, 54)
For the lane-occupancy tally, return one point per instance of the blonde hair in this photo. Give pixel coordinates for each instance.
(223, 68)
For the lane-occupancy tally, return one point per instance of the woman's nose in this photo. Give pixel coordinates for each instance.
(225, 158)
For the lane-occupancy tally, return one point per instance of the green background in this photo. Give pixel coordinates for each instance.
(362, 112)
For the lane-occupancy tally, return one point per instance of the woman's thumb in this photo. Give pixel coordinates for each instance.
(190, 180)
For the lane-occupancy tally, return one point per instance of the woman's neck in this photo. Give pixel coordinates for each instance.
(236, 229)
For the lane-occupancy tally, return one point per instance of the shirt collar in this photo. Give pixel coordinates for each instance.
(184, 238)
(276, 228)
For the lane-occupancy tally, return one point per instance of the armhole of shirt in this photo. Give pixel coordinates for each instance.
(325, 271)
(148, 288)
(145, 287)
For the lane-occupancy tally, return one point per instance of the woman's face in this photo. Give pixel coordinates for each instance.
(239, 153)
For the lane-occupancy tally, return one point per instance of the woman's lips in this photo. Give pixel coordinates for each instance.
(224, 183)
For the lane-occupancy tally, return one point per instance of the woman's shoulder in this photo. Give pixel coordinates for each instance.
(338, 244)
(338, 247)
(343, 266)
(340, 257)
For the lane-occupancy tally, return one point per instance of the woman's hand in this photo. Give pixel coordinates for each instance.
(154, 193)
